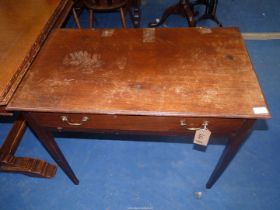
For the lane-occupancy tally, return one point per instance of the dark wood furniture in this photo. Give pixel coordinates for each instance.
(135, 10)
(185, 8)
(155, 81)
(25, 25)
(103, 5)
(210, 11)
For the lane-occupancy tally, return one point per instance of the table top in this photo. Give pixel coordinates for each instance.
(163, 72)
(23, 25)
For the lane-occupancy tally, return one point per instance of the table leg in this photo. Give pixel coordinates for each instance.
(182, 8)
(24, 165)
(47, 140)
(135, 12)
(210, 12)
(234, 144)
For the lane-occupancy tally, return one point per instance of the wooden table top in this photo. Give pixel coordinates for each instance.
(23, 24)
(164, 72)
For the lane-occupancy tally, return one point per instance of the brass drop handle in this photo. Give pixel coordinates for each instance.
(66, 120)
(203, 126)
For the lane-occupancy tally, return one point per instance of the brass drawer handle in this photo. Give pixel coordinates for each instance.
(66, 120)
(203, 126)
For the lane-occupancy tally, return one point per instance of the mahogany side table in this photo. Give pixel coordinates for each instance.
(152, 81)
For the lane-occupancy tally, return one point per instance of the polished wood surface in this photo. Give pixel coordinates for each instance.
(24, 26)
(152, 81)
(175, 72)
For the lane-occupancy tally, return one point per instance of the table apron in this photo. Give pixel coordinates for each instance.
(135, 123)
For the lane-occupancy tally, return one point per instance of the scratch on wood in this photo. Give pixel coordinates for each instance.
(148, 35)
(121, 63)
(209, 96)
(179, 90)
(107, 33)
(56, 83)
(83, 60)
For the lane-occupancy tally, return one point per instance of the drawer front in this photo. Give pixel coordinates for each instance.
(130, 123)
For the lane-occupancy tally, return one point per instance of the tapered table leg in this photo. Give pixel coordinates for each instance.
(47, 140)
(234, 144)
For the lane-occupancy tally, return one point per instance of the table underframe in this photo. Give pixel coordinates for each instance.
(45, 136)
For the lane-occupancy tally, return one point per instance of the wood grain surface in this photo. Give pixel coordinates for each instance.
(164, 72)
(24, 26)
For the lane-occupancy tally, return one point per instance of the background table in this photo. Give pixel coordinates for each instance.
(25, 25)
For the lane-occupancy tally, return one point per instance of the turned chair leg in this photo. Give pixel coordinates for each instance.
(76, 18)
(122, 13)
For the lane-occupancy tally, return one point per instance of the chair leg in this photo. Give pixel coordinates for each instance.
(90, 18)
(122, 12)
(76, 18)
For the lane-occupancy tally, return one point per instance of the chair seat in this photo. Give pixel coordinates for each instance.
(104, 4)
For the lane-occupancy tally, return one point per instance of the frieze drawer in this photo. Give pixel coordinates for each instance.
(136, 123)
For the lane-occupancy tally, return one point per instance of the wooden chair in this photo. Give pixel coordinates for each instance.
(103, 5)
